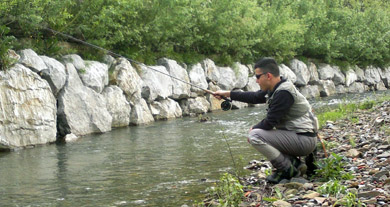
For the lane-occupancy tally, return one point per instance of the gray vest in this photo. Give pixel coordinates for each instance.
(300, 117)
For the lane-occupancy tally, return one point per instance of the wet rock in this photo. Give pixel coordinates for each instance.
(70, 138)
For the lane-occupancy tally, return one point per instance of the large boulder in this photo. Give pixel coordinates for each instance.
(117, 105)
(310, 91)
(140, 113)
(211, 70)
(241, 73)
(325, 72)
(192, 106)
(55, 74)
(95, 75)
(180, 89)
(356, 87)
(198, 78)
(157, 85)
(227, 79)
(215, 104)
(126, 78)
(286, 72)
(380, 86)
(109, 60)
(27, 109)
(360, 74)
(81, 110)
(386, 77)
(76, 60)
(372, 76)
(30, 59)
(350, 77)
(314, 78)
(165, 109)
(252, 85)
(301, 71)
(327, 88)
(339, 77)
(239, 104)
(341, 89)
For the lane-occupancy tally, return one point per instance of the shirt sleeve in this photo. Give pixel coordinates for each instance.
(280, 105)
(249, 96)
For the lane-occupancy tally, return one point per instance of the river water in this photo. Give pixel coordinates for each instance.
(167, 163)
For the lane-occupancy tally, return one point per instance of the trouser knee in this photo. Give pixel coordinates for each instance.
(255, 138)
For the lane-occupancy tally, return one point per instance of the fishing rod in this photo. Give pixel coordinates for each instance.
(225, 105)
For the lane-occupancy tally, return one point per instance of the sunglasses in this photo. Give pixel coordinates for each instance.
(259, 75)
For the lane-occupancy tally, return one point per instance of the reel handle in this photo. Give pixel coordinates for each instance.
(226, 105)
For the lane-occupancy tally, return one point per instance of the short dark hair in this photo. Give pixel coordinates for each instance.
(268, 65)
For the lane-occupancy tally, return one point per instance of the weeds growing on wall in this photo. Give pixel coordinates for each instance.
(5, 45)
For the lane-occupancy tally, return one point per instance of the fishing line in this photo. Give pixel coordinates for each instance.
(225, 105)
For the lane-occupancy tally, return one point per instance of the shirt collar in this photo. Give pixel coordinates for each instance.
(282, 80)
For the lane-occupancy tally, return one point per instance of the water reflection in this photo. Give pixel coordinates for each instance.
(62, 171)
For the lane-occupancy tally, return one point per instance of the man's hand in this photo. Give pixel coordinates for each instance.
(220, 94)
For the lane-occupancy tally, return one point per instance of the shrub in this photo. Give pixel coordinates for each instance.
(228, 191)
(5, 44)
(331, 168)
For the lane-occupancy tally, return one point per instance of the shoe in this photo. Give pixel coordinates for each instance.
(310, 163)
(280, 175)
(300, 166)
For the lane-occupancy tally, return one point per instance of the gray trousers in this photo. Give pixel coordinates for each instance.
(280, 146)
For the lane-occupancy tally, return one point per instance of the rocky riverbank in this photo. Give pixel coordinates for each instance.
(358, 147)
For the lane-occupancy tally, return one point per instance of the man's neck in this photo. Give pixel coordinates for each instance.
(275, 82)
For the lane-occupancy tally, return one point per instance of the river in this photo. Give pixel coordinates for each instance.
(166, 163)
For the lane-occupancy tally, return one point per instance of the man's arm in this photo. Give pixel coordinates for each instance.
(280, 105)
(249, 96)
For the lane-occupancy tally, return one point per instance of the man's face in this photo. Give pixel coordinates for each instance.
(261, 79)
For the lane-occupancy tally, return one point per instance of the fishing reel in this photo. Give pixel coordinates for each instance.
(226, 105)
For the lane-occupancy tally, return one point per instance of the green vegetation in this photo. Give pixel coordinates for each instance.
(350, 200)
(332, 188)
(5, 44)
(343, 111)
(336, 189)
(334, 31)
(228, 191)
(331, 168)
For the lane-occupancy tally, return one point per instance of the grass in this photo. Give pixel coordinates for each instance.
(346, 110)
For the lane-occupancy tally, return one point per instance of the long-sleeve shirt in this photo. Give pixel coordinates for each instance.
(280, 105)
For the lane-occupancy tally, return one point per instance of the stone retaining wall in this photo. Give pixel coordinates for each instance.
(43, 99)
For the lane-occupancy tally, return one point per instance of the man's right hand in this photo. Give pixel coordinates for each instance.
(220, 94)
